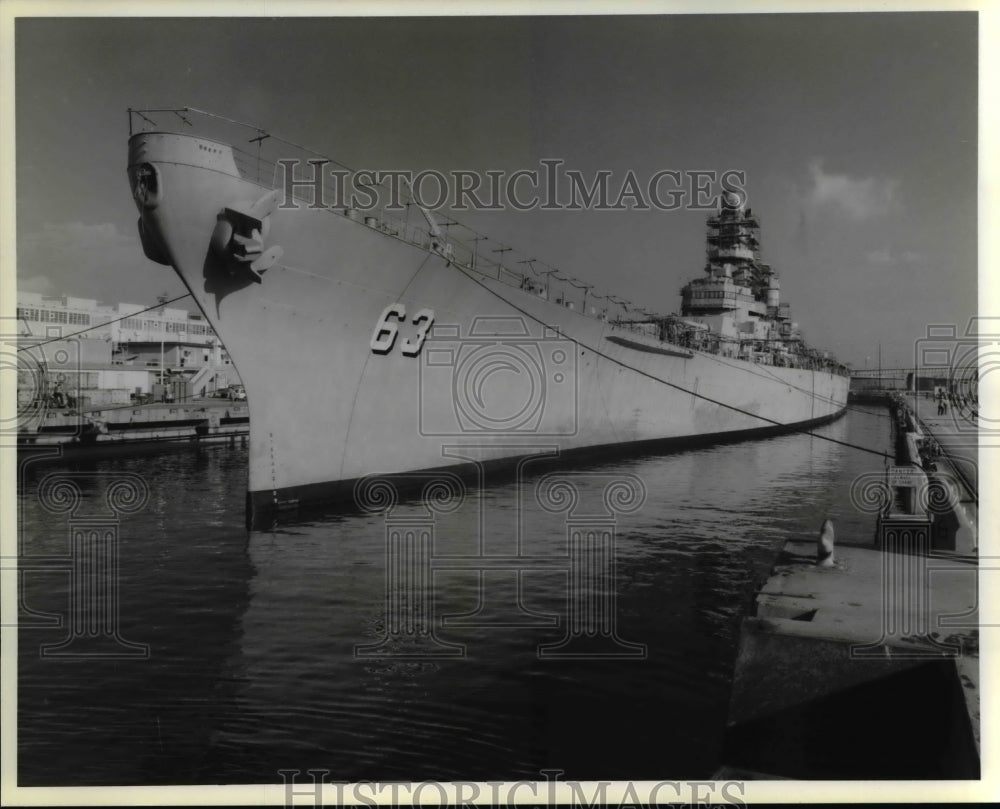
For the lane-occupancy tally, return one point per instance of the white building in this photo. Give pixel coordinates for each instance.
(171, 347)
(123, 323)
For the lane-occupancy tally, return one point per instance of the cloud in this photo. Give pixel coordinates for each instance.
(36, 283)
(884, 257)
(858, 198)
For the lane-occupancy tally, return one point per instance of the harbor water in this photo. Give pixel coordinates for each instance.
(245, 653)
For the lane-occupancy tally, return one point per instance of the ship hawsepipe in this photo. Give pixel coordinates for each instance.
(371, 345)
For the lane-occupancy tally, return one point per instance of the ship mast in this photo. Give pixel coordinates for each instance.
(734, 247)
(738, 298)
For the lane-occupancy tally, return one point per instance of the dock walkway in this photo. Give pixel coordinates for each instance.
(957, 434)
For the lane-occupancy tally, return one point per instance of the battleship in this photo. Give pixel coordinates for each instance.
(374, 342)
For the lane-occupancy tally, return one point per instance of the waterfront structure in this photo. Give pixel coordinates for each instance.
(117, 352)
(369, 344)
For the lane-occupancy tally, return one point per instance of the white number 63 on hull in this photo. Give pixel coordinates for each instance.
(386, 329)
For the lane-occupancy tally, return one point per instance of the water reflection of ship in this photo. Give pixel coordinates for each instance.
(456, 561)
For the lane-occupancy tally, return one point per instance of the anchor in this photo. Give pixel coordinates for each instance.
(239, 237)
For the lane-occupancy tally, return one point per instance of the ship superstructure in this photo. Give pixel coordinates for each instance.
(739, 297)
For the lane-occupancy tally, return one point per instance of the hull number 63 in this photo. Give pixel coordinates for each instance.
(387, 327)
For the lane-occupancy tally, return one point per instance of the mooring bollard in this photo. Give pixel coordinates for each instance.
(824, 547)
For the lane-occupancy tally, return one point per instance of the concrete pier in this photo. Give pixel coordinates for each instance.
(869, 669)
(198, 421)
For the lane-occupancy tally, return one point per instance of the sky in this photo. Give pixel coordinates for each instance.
(857, 134)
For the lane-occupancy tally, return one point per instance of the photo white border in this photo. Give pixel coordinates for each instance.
(986, 789)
